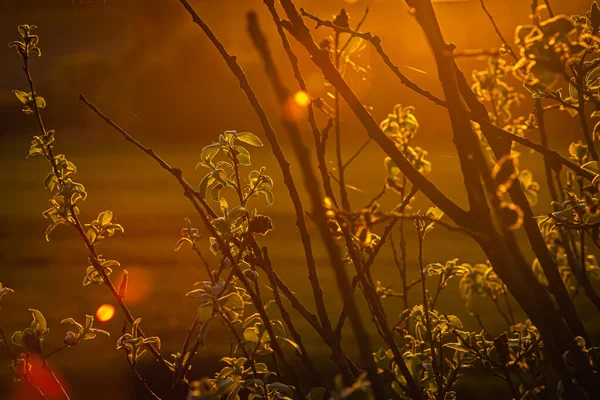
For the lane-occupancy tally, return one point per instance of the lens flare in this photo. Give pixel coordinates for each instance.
(302, 98)
(105, 312)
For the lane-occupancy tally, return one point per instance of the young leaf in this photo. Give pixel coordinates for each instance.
(105, 217)
(249, 138)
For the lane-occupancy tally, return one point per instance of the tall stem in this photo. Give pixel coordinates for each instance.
(430, 339)
(338, 131)
(303, 157)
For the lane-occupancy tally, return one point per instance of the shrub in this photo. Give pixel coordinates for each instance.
(426, 351)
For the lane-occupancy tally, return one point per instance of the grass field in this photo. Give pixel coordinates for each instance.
(149, 204)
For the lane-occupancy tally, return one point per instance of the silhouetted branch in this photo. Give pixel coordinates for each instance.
(507, 46)
(319, 137)
(303, 156)
(376, 42)
(555, 157)
(194, 197)
(279, 155)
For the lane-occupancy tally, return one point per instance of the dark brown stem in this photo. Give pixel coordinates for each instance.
(279, 155)
(550, 12)
(387, 231)
(498, 32)
(538, 244)
(7, 344)
(145, 383)
(179, 371)
(195, 198)
(319, 140)
(303, 353)
(356, 154)
(321, 58)
(318, 214)
(338, 131)
(587, 135)
(376, 42)
(434, 362)
(476, 53)
(497, 132)
(57, 350)
(73, 215)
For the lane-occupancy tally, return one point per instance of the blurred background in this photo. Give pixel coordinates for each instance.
(145, 64)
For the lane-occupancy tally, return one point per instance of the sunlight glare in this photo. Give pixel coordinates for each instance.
(302, 98)
(105, 312)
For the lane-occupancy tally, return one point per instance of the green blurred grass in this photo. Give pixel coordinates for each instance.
(150, 205)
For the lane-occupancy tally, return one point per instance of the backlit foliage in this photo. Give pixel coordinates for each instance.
(424, 352)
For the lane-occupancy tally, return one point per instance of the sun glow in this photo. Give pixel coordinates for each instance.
(105, 312)
(302, 98)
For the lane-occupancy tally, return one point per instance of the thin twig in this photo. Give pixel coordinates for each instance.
(277, 151)
(498, 32)
(73, 215)
(302, 352)
(57, 350)
(420, 224)
(320, 142)
(386, 232)
(356, 154)
(320, 57)
(466, 53)
(196, 199)
(302, 154)
(145, 383)
(556, 158)
(376, 42)
(550, 12)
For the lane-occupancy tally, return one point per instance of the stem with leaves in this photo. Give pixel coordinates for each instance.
(318, 214)
(74, 220)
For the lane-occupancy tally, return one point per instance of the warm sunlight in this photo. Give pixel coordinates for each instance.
(105, 313)
(302, 98)
(300, 199)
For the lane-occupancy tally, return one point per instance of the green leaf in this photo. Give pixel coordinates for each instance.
(249, 138)
(573, 92)
(236, 213)
(51, 227)
(205, 311)
(36, 51)
(593, 166)
(39, 322)
(243, 156)
(204, 331)
(223, 205)
(215, 192)
(234, 303)
(596, 133)
(209, 152)
(317, 393)
(50, 181)
(105, 217)
(23, 30)
(73, 322)
(456, 346)
(251, 334)
(4, 291)
(204, 184)
(40, 102)
(455, 321)
(291, 342)
(23, 97)
(435, 213)
(17, 338)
